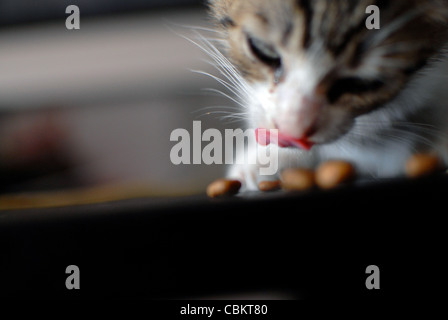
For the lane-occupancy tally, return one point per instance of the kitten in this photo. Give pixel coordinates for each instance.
(314, 71)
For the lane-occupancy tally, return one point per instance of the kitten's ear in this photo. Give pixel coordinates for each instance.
(220, 12)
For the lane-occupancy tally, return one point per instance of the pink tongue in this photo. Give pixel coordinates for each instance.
(265, 136)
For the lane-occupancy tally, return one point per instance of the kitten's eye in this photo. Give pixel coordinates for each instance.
(352, 85)
(265, 53)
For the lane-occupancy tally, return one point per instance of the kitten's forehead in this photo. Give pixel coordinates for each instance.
(266, 17)
(312, 17)
(333, 22)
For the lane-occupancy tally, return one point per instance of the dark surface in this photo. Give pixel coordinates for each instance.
(312, 245)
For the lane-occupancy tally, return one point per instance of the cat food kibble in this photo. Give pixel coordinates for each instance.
(297, 179)
(267, 186)
(223, 187)
(331, 174)
(422, 164)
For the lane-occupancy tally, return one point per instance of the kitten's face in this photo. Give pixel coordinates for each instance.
(313, 64)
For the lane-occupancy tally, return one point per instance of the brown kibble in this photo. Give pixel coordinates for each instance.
(422, 164)
(267, 186)
(331, 174)
(223, 187)
(297, 179)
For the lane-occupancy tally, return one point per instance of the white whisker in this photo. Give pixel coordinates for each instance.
(221, 81)
(225, 95)
(237, 89)
(216, 107)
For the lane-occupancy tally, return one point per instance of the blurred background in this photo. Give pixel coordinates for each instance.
(88, 113)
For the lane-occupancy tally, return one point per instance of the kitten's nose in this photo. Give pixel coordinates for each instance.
(300, 120)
